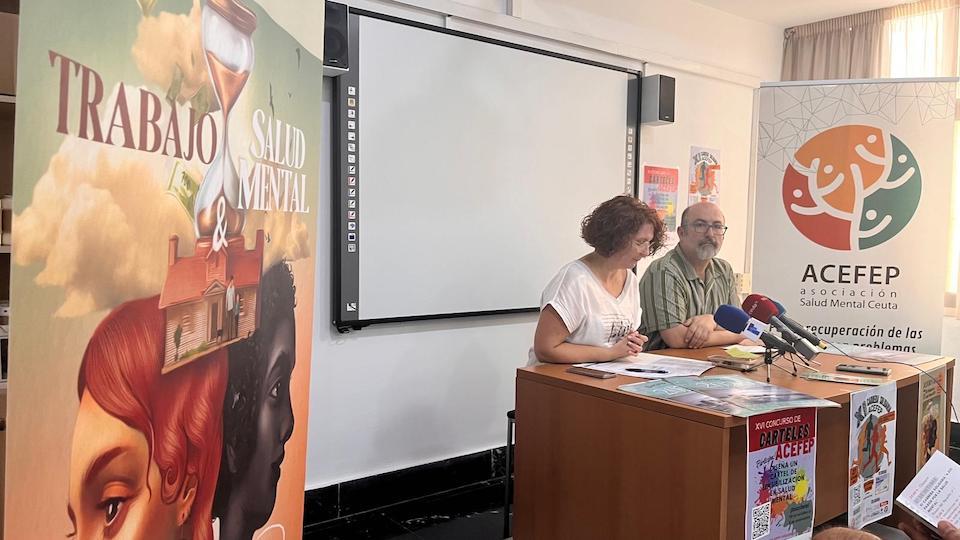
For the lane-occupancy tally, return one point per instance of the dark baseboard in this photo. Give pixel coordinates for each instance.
(325, 507)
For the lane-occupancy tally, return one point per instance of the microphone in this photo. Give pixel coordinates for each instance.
(798, 328)
(736, 320)
(763, 309)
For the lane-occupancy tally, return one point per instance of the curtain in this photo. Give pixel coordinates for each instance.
(842, 48)
(920, 40)
(909, 40)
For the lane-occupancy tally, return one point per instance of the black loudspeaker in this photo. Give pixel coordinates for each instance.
(335, 37)
(657, 97)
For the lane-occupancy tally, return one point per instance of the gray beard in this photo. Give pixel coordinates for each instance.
(707, 251)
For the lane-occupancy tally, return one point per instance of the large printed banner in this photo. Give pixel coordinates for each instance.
(165, 183)
(781, 474)
(853, 189)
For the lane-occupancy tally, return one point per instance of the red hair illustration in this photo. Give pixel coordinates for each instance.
(179, 413)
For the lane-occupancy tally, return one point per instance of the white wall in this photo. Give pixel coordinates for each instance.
(713, 114)
(396, 396)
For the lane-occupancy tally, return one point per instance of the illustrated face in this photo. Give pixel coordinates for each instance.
(274, 419)
(114, 485)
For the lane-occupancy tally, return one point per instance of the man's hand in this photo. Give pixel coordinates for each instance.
(698, 330)
(917, 531)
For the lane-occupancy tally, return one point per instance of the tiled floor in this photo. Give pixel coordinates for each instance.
(474, 513)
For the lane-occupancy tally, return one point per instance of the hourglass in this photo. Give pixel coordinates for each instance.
(228, 45)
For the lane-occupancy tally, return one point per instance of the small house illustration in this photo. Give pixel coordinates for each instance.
(211, 298)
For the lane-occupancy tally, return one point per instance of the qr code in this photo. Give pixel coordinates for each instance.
(760, 520)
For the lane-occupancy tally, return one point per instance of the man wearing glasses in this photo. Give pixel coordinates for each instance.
(680, 291)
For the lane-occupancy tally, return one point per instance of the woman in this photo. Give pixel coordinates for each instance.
(257, 413)
(146, 445)
(590, 310)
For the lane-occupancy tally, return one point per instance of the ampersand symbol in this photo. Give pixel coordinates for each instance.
(220, 230)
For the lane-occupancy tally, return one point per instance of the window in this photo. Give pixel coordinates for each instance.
(924, 44)
(186, 323)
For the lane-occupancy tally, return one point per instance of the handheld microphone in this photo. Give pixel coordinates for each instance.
(763, 309)
(800, 329)
(734, 319)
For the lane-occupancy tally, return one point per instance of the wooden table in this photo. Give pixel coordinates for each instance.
(594, 462)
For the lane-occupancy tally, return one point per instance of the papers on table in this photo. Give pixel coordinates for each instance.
(745, 352)
(846, 379)
(881, 355)
(652, 366)
(734, 350)
(731, 394)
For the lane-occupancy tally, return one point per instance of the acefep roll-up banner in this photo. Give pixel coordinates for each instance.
(853, 194)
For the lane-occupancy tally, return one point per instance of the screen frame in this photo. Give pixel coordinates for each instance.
(342, 260)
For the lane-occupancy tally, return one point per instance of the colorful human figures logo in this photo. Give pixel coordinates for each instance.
(851, 188)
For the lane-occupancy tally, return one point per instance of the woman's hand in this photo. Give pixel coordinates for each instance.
(629, 345)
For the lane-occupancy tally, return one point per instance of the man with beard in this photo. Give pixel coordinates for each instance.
(680, 291)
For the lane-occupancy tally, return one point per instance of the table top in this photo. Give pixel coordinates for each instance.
(556, 374)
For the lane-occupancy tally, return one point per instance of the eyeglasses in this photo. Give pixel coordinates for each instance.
(701, 227)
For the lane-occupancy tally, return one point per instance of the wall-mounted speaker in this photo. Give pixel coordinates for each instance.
(657, 99)
(336, 55)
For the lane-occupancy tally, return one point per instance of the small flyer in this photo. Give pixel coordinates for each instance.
(781, 474)
(704, 175)
(932, 424)
(660, 186)
(873, 436)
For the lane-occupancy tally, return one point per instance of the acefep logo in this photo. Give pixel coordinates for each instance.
(851, 187)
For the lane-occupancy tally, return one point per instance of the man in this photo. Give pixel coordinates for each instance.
(680, 291)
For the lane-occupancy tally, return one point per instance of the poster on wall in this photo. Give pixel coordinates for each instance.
(165, 180)
(704, 175)
(932, 424)
(781, 474)
(852, 177)
(660, 186)
(873, 445)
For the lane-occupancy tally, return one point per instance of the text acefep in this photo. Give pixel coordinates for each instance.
(851, 274)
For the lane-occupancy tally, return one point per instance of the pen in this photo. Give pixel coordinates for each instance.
(643, 370)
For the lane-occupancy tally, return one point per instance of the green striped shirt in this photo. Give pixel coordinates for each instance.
(672, 292)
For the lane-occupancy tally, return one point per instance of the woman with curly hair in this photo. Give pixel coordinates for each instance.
(146, 445)
(590, 310)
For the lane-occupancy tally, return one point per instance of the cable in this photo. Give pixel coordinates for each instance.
(921, 370)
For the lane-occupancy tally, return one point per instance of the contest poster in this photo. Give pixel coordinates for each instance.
(165, 186)
(660, 186)
(704, 183)
(932, 423)
(781, 474)
(853, 181)
(873, 445)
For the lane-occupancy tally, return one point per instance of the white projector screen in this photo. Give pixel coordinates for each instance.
(473, 164)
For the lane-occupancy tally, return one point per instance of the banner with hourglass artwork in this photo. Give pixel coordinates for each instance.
(165, 188)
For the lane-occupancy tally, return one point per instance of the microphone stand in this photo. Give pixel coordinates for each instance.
(768, 359)
(785, 356)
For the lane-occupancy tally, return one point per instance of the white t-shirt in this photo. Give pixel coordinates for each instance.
(592, 315)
